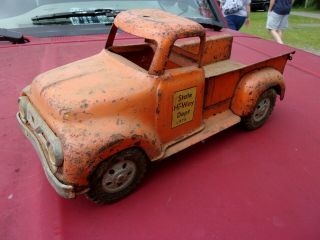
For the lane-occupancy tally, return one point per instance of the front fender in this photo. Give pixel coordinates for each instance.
(86, 147)
(252, 85)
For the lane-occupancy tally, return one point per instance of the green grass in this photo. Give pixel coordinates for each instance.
(302, 33)
(308, 9)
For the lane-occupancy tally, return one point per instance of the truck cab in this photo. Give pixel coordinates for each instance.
(98, 122)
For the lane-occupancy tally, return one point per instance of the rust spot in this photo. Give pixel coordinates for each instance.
(119, 121)
(63, 110)
(113, 140)
(135, 136)
(76, 161)
(84, 104)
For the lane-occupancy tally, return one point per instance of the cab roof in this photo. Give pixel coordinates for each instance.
(157, 25)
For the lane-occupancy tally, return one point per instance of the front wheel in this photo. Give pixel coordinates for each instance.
(262, 110)
(117, 176)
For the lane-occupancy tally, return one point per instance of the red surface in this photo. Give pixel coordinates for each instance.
(237, 185)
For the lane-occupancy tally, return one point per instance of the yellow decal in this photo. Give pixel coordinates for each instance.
(183, 106)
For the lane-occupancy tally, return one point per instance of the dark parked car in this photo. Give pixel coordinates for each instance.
(260, 5)
(256, 5)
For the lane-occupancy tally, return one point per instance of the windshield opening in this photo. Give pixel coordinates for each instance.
(141, 54)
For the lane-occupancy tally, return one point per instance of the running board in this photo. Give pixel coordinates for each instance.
(212, 125)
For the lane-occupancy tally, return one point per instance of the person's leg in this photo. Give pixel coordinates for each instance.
(280, 33)
(239, 21)
(283, 25)
(276, 36)
(273, 23)
(231, 23)
(235, 22)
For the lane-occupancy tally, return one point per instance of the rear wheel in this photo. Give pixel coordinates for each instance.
(117, 176)
(262, 110)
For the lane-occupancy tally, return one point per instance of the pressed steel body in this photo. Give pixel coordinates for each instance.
(161, 95)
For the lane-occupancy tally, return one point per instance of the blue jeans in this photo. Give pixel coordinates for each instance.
(235, 22)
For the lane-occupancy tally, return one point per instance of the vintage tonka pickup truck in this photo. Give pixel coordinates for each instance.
(97, 123)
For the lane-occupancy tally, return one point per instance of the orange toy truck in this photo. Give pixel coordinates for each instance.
(97, 122)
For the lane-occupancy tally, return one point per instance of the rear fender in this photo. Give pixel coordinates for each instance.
(252, 85)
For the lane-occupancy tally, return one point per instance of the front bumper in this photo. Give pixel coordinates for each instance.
(66, 191)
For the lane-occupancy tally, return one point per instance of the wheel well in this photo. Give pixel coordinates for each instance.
(142, 150)
(126, 149)
(277, 88)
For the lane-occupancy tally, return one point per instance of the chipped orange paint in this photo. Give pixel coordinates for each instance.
(252, 85)
(162, 28)
(161, 96)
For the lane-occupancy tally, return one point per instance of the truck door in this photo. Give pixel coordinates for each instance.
(179, 103)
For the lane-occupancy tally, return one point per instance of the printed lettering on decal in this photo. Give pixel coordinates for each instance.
(183, 106)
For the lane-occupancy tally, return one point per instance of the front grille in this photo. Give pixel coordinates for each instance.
(41, 130)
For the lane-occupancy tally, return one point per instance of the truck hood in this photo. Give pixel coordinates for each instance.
(87, 88)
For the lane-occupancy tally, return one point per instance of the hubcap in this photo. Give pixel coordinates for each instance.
(261, 110)
(119, 176)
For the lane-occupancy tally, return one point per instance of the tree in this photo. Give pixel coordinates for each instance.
(307, 3)
(316, 4)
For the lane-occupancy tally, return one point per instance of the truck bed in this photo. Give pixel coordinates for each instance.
(221, 79)
(218, 68)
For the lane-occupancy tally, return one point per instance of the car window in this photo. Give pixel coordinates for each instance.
(69, 17)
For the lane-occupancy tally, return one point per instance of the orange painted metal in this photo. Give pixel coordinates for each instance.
(172, 82)
(151, 95)
(217, 47)
(98, 111)
(162, 28)
(252, 85)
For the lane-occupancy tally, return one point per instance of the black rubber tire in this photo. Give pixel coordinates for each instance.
(98, 194)
(250, 122)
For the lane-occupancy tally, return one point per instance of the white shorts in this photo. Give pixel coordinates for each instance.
(276, 21)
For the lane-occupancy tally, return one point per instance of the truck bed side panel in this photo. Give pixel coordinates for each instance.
(223, 77)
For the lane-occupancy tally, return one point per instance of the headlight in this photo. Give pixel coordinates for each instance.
(55, 154)
(22, 108)
(52, 157)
